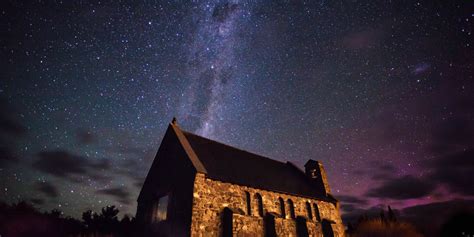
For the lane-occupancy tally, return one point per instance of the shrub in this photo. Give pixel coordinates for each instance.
(381, 228)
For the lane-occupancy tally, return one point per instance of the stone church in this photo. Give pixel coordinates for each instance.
(200, 187)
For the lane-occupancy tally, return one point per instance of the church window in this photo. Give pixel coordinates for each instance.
(282, 207)
(292, 208)
(160, 209)
(259, 204)
(316, 212)
(308, 210)
(249, 203)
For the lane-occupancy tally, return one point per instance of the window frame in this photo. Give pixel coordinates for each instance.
(156, 207)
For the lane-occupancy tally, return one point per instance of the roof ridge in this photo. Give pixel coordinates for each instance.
(234, 165)
(188, 149)
(221, 143)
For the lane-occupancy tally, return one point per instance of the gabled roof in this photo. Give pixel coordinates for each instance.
(228, 164)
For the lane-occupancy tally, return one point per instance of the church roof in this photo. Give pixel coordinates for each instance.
(229, 164)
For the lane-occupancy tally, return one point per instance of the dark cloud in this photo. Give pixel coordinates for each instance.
(352, 213)
(387, 168)
(6, 155)
(11, 127)
(383, 172)
(127, 150)
(139, 183)
(455, 133)
(406, 187)
(381, 176)
(430, 217)
(66, 165)
(348, 208)
(48, 189)
(453, 148)
(120, 193)
(10, 130)
(454, 171)
(452, 166)
(451, 170)
(351, 199)
(134, 168)
(378, 172)
(37, 201)
(427, 217)
(85, 137)
(440, 208)
(456, 130)
(9, 124)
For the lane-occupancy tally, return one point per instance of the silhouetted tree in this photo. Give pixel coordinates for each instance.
(55, 213)
(110, 213)
(23, 219)
(391, 215)
(23, 208)
(127, 226)
(108, 219)
(382, 216)
(87, 218)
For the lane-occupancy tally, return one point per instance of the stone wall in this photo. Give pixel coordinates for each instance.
(247, 226)
(285, 227)
(211, 197)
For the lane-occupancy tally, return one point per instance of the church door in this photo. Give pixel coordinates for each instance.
(270, 225)
(327, 229)
(301, 227)
(227, 223)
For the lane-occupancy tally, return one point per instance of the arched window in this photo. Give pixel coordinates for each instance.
(259, 204)
(308, 210)
(282, 207)
(316, 212)
(249, 203)
(292, 208)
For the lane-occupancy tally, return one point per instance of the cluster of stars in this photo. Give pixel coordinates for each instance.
(357, 85)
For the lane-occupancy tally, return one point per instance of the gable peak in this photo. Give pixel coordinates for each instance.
(174, 121)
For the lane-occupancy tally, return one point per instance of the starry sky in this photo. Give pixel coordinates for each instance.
(381, 92)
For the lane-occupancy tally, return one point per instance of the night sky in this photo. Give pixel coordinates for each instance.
(381, 92)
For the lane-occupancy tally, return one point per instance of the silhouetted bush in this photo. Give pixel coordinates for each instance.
(24, 220)
(386, 225)
(380, 228)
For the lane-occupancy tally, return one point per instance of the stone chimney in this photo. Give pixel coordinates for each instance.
(315, 171)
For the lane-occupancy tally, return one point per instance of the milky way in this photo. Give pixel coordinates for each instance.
(380, 92)
(211, 62)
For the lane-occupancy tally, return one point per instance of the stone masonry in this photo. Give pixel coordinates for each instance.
(210, 197)
(200, 187)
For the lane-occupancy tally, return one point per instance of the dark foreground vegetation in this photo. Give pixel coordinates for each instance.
(388, 225)
(23, 220)
(385, 225)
